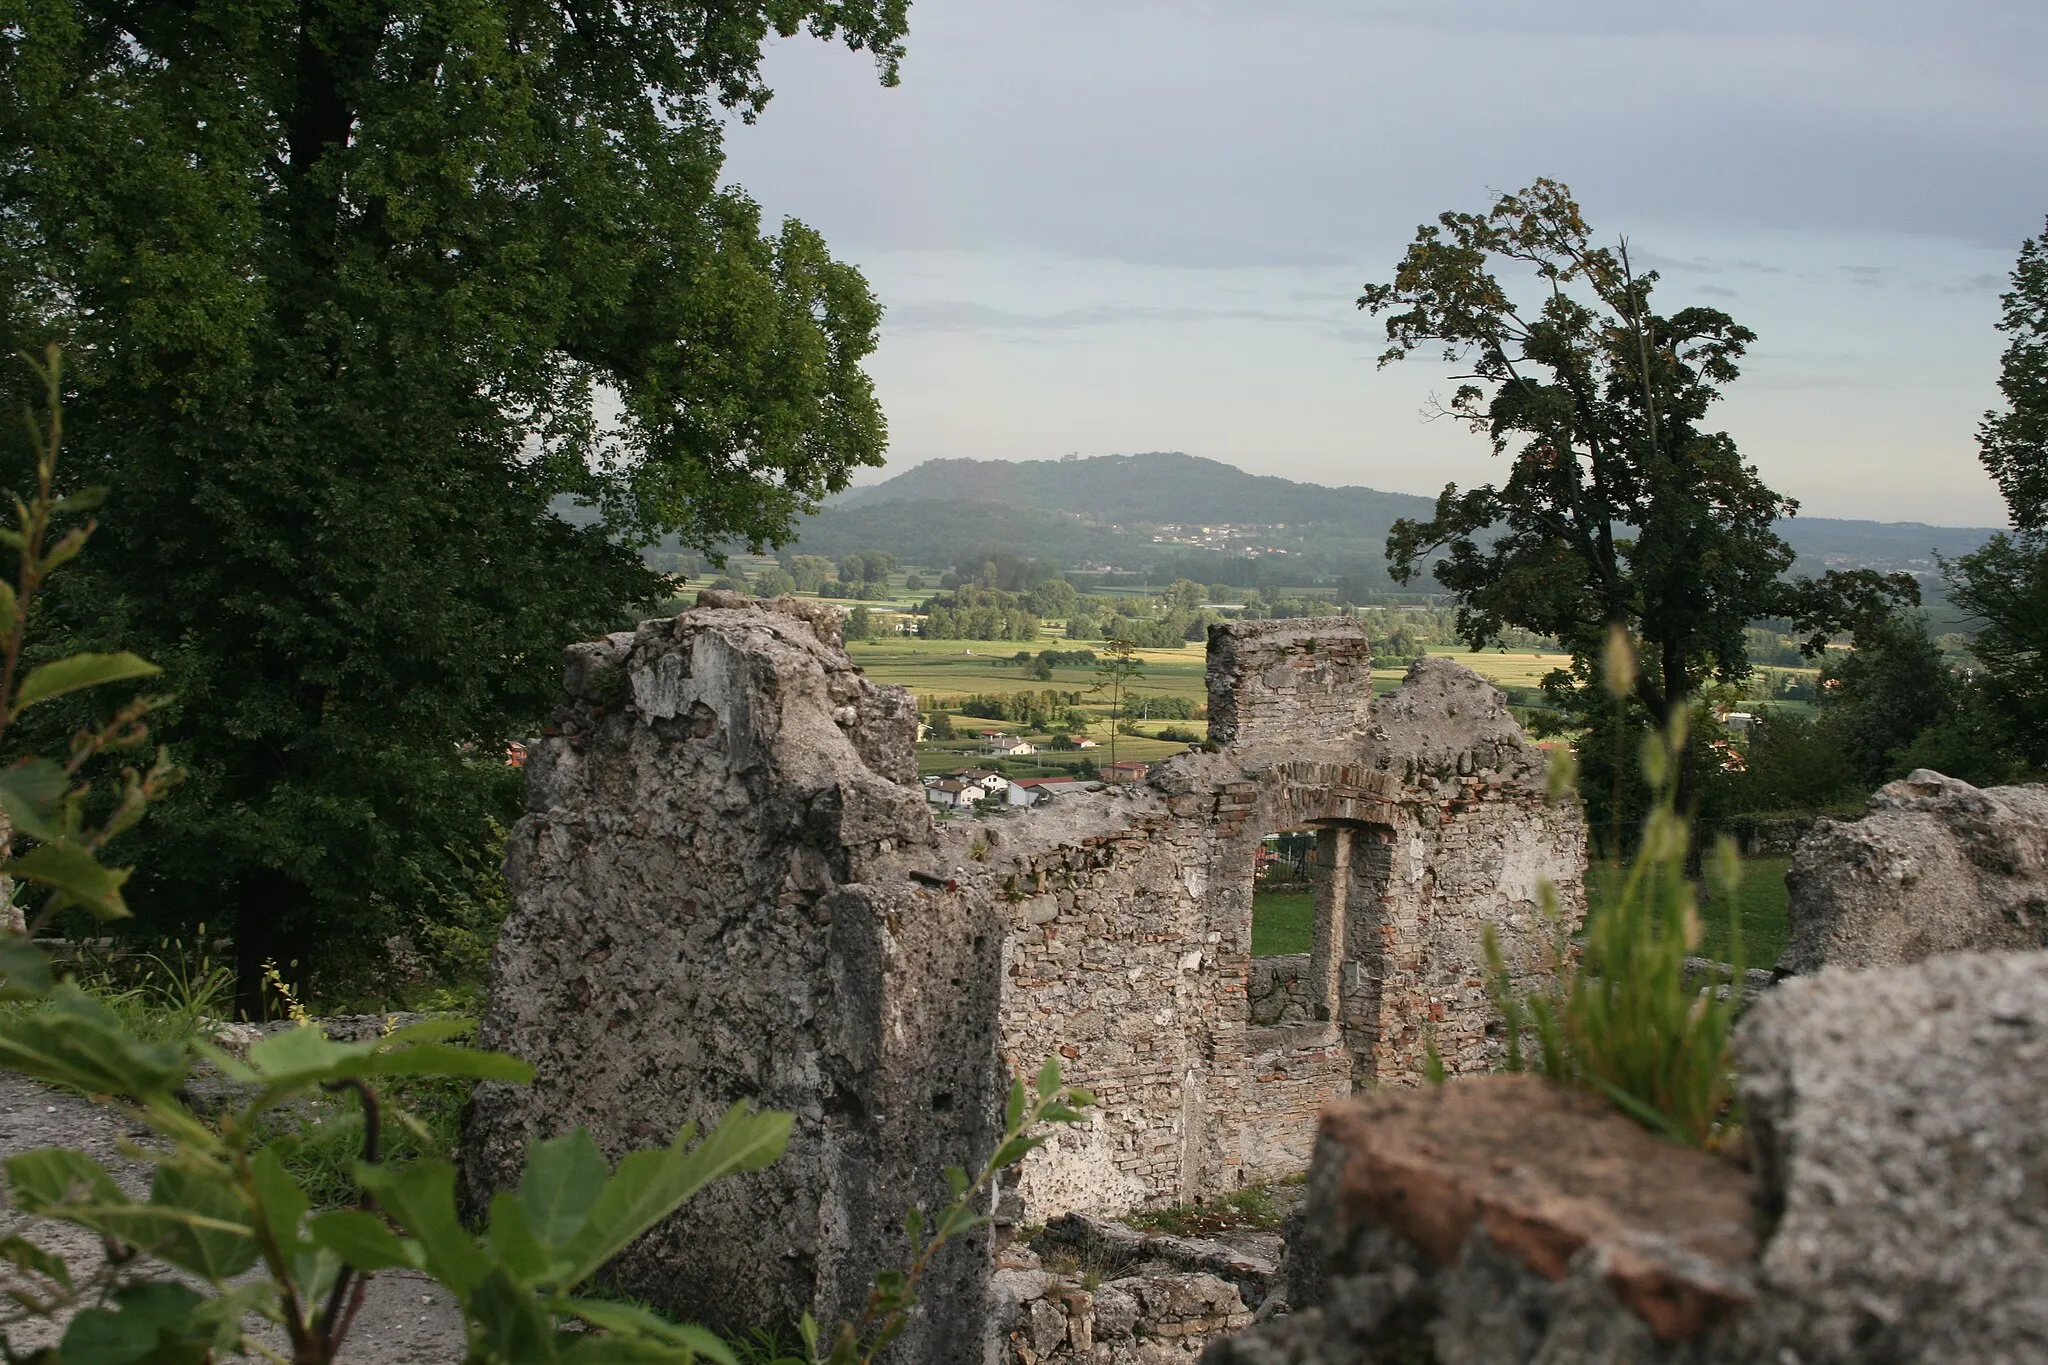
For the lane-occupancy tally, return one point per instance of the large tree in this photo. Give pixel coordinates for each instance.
(353, 292)
(1620, 508)
(2005, 584)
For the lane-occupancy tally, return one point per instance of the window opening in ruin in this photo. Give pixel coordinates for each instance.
(1284, 893)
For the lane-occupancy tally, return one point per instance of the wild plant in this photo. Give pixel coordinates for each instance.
(1620, 1013)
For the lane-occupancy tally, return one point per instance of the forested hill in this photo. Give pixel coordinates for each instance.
(1135, 511)
(1141, 490)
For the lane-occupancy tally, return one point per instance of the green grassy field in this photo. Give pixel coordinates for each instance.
(1759, 903)
(1282, 922)
(957, 667)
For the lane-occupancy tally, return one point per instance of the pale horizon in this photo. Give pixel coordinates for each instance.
(1142, 226)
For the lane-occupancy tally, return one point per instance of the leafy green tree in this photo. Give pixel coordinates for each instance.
(351, 291)
(1877, 698)
(860, 624)
(2005, 584)
(810, 572)
(773, 582)
(1621, 508)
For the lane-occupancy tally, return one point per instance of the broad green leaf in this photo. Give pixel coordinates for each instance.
(630, 1320)
(284, 1202)
(421, 1199)
(512, 1241)
(157, 1323)
(23, 1254)
(60, 676)
(510, 1321)
(301, 1056)
(439, 1059)
(563, 1175)
(650, 1185)
(74, 874)
(362, 1240)
(1049, 1078)
(25, 967)
(438, 1030)
(86, 499)
(27, 789)
(46, 1177)
(202, 1248)
(77, 1041)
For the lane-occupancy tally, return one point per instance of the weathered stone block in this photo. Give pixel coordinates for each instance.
(1936, 866)
(1901, 1124)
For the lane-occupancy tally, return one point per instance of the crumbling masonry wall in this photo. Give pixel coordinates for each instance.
(728, 886)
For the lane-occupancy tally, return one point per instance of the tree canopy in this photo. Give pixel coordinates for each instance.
(2005, 584)
(1621, 507)
(352, 294)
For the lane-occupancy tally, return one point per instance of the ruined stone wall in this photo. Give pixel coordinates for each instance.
(1303, 681)
(729, 887)
(708, 908)
(1279, 990)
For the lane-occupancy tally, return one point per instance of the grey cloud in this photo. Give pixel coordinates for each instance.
(1719, 292)
(1319, 132)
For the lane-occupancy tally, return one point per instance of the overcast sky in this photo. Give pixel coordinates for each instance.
(1120, 225)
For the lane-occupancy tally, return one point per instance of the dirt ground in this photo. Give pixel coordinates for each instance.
(406, 1319)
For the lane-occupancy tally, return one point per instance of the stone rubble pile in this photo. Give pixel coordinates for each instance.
(1897, 1211)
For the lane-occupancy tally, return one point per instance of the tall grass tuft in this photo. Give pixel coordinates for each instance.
(1619, 1014)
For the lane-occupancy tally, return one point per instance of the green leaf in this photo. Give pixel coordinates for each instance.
(74, 874)
(563, 1176)
(79, 671)
(284, 1201)
(304, 1055)
(77, 1041)
(42, 1179)
(1013, 1109)
(421, 1199)
(510, 1321)
(25, 1255)
(628, 1320)
(362, 1240)
(27, 791)
(1049, 1078)
(439, 1059)
(510, 1238)
(650, 1185)
(84, 500)
(202, 1248)
(25, 967)
(158, 1323)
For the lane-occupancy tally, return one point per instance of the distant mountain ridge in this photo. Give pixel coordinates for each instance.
(1111, 508)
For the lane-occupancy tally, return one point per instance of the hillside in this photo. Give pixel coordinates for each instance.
(1135, 511)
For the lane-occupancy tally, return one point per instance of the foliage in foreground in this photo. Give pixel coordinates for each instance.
(227, 1231)
(1620, 1015)
(360, 296)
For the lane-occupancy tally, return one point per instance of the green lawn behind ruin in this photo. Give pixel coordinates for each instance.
(1284, 921)
(1759, 902)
